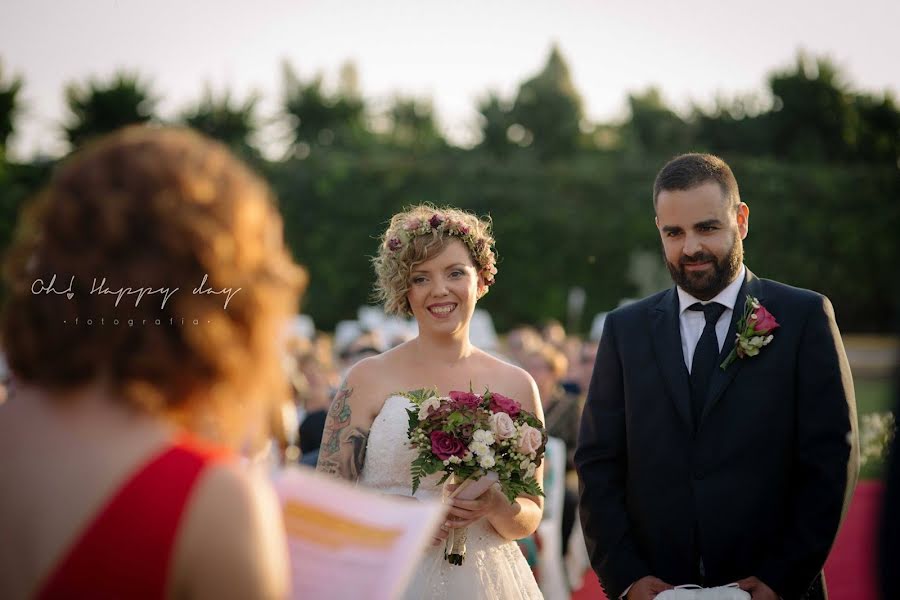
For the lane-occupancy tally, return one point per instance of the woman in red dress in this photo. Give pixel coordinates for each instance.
(145, 292)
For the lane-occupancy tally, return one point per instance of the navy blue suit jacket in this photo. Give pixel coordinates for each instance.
(757, 488)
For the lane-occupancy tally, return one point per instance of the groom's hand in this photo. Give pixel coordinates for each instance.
(646, 588)
(758, 590)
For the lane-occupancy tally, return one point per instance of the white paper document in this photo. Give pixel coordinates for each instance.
(349, 542)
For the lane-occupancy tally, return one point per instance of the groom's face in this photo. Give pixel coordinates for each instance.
(702, 236)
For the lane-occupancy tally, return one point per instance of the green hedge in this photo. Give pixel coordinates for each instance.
(577, 223)
(832, 229)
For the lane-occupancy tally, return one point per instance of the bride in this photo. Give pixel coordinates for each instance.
(435, 264)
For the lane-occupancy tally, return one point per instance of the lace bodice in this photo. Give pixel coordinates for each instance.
(388, 455)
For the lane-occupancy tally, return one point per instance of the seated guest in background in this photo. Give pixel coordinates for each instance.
(109, 490)
(521, 340)
(553, 333)
(311, 437)
(562, 417)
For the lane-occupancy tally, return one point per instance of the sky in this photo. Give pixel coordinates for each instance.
(452, 53)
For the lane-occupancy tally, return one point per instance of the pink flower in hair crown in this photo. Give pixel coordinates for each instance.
(416, 226)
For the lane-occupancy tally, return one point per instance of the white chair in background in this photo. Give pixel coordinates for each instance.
(552, 571)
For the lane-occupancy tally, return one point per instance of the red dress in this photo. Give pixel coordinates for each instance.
(125, 552)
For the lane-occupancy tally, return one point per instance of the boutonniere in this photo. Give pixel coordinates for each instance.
(754, 330)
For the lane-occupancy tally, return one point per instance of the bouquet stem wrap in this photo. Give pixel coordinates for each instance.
(469, 489)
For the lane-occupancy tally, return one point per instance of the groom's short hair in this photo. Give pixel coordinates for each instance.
(687, 171)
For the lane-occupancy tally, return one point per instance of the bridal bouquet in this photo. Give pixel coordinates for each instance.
(477, 440)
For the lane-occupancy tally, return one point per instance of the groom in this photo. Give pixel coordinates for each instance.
(696, 474)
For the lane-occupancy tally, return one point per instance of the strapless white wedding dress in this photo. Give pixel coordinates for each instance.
(494, 568)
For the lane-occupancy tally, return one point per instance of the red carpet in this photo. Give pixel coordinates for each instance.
(850, 568)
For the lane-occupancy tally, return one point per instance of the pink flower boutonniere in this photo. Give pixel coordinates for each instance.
(754, 330)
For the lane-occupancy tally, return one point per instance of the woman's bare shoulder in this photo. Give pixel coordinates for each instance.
(508, 379)
(377, 374)
(232, 543)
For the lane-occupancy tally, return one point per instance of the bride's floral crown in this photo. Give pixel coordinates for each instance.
(415, 233)
(442, 224)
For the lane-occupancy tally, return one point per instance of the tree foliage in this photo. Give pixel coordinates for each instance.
(225, 119)
(322, 119)
(98, 108)
(816, 160)
(9, 105)
(549, 108)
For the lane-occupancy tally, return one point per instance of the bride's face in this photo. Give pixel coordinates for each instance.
(443, 290)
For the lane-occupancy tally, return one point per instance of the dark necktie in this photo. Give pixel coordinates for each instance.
(706, 355)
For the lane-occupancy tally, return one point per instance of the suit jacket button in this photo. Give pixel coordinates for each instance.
(698, 474)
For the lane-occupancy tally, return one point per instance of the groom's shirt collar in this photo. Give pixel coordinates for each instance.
(726, 297)
(691, 322)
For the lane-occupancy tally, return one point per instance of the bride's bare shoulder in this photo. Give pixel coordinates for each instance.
(510, 380)
(381, 373)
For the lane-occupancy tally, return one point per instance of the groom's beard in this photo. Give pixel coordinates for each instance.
(705, 285)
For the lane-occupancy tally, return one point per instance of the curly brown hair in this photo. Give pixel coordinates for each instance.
(420, 232)
(121, 268)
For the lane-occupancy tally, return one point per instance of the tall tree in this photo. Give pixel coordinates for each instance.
(9, 105)
(322, 119)
(653, 126)
(225, 119)
(814, 117)
(738, 125)
(413, 125)
(495, 120)
(98, 108)
(549, 107)
(878, 138)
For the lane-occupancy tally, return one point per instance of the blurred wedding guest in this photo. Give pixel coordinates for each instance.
(520, 340)
(562, 416)
(145, 288)
(889, 555)
(365, 345)
(311, 437)
(314, 381)
(553, 333)
(4, 379)
(581, 357)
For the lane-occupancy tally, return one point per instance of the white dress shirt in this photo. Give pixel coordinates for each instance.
(692, 322)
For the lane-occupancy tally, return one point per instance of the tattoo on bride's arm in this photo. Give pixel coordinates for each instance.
(343, 448)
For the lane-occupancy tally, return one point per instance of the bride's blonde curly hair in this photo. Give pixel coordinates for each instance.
(419, 233)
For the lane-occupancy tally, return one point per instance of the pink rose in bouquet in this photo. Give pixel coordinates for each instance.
(444, 445)
(474, 438)
(502, 426)
(500, 403)
(466, 399)
(530, 439)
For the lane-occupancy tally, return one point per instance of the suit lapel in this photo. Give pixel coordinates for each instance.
(669, 355)
(721, 379)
